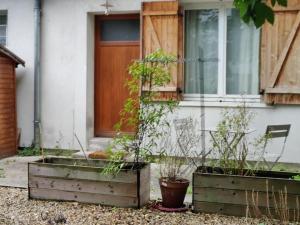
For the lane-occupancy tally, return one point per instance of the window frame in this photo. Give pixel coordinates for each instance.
(221, 95)
(4, 12)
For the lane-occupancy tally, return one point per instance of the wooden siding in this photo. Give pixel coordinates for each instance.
(280, 54)
(8, 127)
(82, 181)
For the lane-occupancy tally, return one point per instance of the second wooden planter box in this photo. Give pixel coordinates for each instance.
(80, 180)
(234, 195)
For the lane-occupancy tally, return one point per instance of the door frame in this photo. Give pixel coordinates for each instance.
(97, 43)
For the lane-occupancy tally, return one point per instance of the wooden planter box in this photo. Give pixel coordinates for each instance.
(229, 194)
(78, 180)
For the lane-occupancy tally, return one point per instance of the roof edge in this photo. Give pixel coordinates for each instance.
(11, 55)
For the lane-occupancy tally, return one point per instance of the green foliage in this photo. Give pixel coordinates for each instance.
(189, 190)
(30, 151)
(297, 177)
(115, 164)
(142, 111)
(230, 146)
(257, 11)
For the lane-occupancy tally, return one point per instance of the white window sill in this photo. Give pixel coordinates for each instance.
(228, 101)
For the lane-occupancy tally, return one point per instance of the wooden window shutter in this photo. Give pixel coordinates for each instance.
(162, 28)
(280, 56)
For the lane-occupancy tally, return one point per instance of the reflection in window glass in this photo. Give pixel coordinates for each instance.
(201, 37)
(242, 56)
(3, 27)
(120, 30)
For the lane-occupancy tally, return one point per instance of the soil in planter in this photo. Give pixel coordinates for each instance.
(90, 163)
(246, 172)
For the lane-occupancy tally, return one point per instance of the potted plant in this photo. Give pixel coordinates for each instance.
(172, 184)
(174, 166)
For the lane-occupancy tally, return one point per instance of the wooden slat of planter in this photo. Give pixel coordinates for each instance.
(222, 208)
(97, 187)
(78, 172)
(50, 194)
(245, 183)
(6, 85)
(237, 197)
(234, 210)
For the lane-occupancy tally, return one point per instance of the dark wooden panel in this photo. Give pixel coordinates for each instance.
(11, 85)
(6, 80)
(7, 140)
(8, 126)
(5, 61)
(5, 125)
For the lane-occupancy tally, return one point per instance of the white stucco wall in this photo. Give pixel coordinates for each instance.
(68, 68)
(68, 75)
(264, 115)
(20, 40)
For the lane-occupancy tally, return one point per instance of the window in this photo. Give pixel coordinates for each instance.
(3, 26)
(120, 30)
(221, 53)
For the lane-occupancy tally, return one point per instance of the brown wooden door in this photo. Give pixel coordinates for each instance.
(116, 46)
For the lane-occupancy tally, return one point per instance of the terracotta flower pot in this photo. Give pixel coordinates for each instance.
(173, 192)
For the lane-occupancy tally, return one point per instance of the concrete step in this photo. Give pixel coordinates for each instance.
(99, 143)
(80, 154)
(94, 144)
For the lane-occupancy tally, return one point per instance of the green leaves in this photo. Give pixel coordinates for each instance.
(142, 111)
(281, 2)
(257, 11)
(297, 177)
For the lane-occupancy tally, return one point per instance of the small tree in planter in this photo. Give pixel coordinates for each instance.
(230, 147)
(226, 185)
(86, 180)
(142, 111)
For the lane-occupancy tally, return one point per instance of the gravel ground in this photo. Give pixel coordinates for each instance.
(16, 209)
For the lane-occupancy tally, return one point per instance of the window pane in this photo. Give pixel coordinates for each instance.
(3, 17)
(201, 37)
(242, 56)
(2, 31)
(120, 30)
